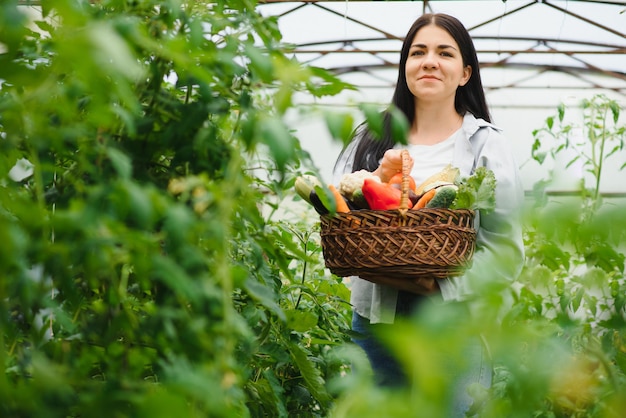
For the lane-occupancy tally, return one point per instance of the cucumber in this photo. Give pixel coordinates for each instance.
(443, 198)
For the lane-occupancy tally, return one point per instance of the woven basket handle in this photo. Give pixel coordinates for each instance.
(404, 198)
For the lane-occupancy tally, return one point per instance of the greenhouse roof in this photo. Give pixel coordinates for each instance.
(535, 55)
(555, 44)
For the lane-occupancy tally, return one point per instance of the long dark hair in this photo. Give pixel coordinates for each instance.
(469, 98)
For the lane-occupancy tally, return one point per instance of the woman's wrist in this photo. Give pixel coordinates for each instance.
(378, 172)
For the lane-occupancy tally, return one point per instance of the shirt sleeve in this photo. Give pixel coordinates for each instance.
(499, 255)
(345, 162)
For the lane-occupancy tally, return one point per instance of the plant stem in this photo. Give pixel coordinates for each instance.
(305, 241)
(598, 165)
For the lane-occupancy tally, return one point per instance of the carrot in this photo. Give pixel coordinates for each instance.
(342, 206)
(426, 197)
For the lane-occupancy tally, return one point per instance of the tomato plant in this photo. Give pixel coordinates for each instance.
(142, 145)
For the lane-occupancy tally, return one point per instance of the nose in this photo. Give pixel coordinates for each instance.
(430, 61)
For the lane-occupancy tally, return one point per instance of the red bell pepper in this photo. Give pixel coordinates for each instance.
(381, 196)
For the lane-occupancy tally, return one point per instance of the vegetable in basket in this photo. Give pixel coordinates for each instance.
(381, 196)
(477, 192)
(358, 200)
(444, 196)
(397, 180)
(351, 185)
(449, 174)
(340, 201)
(306, 186)
(363, 190)
(311, 190)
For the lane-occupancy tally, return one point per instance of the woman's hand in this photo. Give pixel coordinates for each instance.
(391, 164)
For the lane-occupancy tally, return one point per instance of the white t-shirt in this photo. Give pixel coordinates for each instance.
(430, 159)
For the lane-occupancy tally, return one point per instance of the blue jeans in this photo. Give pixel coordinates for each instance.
(388, 372)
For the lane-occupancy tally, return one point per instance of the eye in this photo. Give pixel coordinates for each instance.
(445, 54)
(416, 52)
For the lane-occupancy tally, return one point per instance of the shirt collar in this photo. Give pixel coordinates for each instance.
(471, 124)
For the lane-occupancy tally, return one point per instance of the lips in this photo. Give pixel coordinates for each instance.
(428, 77)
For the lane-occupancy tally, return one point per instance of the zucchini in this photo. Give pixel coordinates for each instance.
(305, 184)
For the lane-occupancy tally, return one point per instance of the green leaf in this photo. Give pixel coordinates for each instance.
(141, 211)
(552, 256)
(327, 198)
(606, 257)
(121, 162)
(399, 126)
(477, 192)
(163, 403)
(620, 360)
(561, 110)
(572, 161)
(300, 320)
(282, 98)
(312, 375)
(260, 63)
(615, 110)
(265, 296)
(111, 51)
(330, 84)
(374, 118)
(271, 394)
(340, 125)
(174, 276)
(281, 144)
(540, 157)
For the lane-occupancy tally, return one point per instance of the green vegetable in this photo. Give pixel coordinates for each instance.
(359, 200)
(443, 198)
(305, 184)
(477, 192)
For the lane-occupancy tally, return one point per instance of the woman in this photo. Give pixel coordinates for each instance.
(440, 91)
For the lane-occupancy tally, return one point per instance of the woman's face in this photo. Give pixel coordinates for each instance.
(434, 68)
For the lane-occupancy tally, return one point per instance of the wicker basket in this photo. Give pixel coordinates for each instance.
(399, 244)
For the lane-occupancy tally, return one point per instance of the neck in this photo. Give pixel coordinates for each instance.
(433, 125)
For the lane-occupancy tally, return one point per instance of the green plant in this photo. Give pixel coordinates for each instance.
(140, 271)
(573, 282)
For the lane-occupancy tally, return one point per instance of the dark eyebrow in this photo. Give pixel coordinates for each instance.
(442, 46)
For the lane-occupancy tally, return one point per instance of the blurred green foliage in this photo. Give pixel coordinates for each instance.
(139, 272)
(154, 260)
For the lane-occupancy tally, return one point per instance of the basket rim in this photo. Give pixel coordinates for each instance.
(397, 211)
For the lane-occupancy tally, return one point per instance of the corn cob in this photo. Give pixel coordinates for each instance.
(448, 175)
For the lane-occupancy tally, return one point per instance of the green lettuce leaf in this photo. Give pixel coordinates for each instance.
(477, 192)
